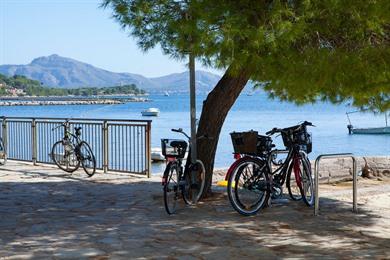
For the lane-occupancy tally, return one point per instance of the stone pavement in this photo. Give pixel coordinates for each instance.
(46, 213)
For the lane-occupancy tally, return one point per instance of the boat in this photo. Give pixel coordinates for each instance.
(150, 112)
(368, 130)
(156, 155)
(166, 94)
(371, 131)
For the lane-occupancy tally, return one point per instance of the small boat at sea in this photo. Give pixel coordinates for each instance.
(150, 112)
(156, 155)
(368, 130)
(166, 94)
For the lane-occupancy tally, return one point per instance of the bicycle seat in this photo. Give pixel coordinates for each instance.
(78, 130)
(179, 144)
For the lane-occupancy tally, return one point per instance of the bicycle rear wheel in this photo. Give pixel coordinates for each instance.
(3, 153)
(195, 178)
(171, 188)
(64, 156)
(248, 186)
(87, 158)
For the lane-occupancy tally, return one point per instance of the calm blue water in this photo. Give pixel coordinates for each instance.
(250, 112)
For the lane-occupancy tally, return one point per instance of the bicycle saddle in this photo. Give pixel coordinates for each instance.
(78, 130)
(179, 144)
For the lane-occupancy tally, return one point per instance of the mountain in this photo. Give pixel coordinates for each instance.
(205, 81)
(57, 71)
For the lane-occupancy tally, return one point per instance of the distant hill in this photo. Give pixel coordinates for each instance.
(57, 71)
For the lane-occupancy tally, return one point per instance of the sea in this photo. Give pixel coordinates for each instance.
(250, 112)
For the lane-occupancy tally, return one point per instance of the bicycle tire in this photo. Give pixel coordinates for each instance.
(192, 191)
(89, 168)
(292, 186)
(62, 157)
(308, 184)
(260, 180)
(171, 188)
(3, 153)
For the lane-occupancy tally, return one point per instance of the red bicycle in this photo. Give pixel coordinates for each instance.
(256, 176)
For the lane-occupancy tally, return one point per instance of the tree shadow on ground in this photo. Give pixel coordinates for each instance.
(90, 218)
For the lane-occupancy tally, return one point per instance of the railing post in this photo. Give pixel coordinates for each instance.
(105, 146)
(354, 177)
(4, 135)
(148, 149)
(34, 141)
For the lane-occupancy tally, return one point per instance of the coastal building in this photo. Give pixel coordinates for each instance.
(15, 91)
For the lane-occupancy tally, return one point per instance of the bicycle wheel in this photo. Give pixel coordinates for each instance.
(195, 178)
(3, 153)
(87, 158)
(248, 186)
(171, 187)
(64, 156)
(293, 189)
(307, 190)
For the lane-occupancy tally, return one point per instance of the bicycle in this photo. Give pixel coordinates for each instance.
(252, 181)
(69, 152)
(188, 182)
(3, 153)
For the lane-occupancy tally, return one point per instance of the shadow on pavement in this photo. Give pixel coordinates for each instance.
(78, 217)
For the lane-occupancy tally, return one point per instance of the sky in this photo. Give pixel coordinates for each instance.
(77, 29)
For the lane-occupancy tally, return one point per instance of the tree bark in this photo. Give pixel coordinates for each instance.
(214, 111)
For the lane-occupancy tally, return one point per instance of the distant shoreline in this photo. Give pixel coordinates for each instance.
(50, 101)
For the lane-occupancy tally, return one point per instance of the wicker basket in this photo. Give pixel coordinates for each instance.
(251, 143)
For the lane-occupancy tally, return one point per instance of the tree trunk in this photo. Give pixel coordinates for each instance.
(215, 109)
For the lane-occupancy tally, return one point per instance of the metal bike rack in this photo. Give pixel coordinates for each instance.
(316, 172)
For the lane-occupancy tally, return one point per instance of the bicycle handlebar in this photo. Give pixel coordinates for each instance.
(280, 130)
(54, 128)
(180, 130)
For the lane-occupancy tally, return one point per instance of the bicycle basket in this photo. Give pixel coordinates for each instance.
(299, 137)
(173, 148)
(250, 143)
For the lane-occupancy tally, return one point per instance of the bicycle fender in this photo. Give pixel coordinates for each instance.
(166, 172)
(233, 166)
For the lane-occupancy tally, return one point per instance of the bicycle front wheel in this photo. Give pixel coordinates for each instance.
(292, 186)
(87, 158)
(3, 153)
(248, 186)
(64, 156)
(195, 178)
(307, 186)
(171, 187)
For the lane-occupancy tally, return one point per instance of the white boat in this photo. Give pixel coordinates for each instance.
(368, 130)
(151, 112)
(166, 94)
(373, 130)
(156, 155)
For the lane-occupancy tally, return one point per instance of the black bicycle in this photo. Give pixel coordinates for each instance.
(257, 176)
(3, 152)
(188, 182)
(71, 151)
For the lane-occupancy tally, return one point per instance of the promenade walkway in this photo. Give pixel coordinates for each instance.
(46, 213)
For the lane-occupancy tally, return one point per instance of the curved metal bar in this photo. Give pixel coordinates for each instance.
(316, 172)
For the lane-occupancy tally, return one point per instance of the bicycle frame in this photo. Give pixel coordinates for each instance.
(68, 135)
